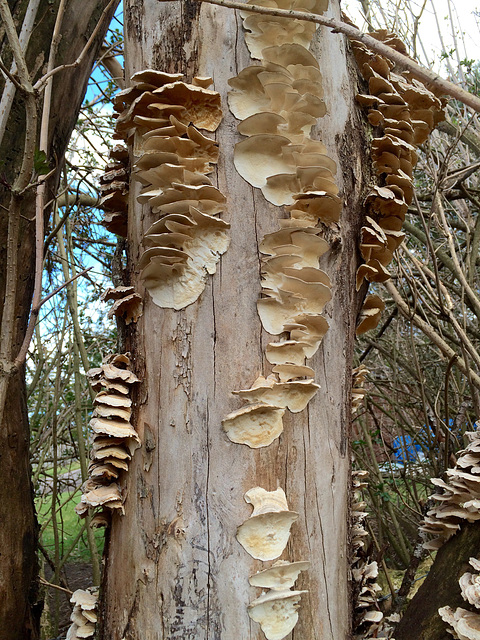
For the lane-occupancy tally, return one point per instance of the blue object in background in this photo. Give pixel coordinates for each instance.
(405, 449)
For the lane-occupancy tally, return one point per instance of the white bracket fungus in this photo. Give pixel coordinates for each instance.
(114, 187)
(127, 303)
(370, 313)
(366, 616)
(256, 425)
(265, 534)
(160, 115)
(465, 624)
(280, 576)
(460, 497)
(84, 614)
(276, 612)
(358, 392)
(278, 102)
(293, 395)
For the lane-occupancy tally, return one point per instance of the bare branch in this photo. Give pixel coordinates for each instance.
(41, 82)
(403, 62)
(22, 354)
(429, 332)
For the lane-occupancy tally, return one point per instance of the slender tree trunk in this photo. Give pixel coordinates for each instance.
(174, 568)
(20, 607)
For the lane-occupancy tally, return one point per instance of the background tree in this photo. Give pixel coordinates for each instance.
(22, 165)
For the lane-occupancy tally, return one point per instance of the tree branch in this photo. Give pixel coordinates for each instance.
(403, 62)
(14, 43)
(40, 83)
(429, 332)
(22, 354)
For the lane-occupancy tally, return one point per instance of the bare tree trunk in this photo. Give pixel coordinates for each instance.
(20, 607)
(174, 567)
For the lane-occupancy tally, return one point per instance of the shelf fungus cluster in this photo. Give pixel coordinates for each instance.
(403, 112)
(265, 535)
(84, 614)
(277, 102)
(367, 616)
(127, 304)
(358, 392)
(465, 624)
(114, 438)
(114, 186)
(160, 116)
(457, 497)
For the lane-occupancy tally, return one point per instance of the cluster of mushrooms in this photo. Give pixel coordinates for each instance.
(127, 303)
(367, 617)
(84, 614)
(278, 102)
(465, 624)
(403, 112)
(358, 391)
(114, 186)
(459, 499)
(160, 117)
(114, 438)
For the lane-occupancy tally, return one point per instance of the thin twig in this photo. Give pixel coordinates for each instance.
(22, 354)
(55, 586)
(403, 62)
(41, 82)
(429, 332)
(10, 76)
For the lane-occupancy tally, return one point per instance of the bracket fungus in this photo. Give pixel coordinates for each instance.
(370, 313)
(459, 499)
(406, 111)
(114, 187)
(358, 392)
(276, 612)
(84, 614)
(160, 115)
(266, 533)
(114, 437)
(256, 425)
(278, 102)
(293, 395)
(465, 624)
(263, 31)
(127, 304)
(280, 576)
(367, 615)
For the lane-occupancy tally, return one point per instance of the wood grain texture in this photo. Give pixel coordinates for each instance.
(174, 569)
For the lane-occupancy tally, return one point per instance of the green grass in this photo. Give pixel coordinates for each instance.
(69, 526)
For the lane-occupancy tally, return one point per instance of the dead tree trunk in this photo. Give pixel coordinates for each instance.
(20, 607)
(174, 568)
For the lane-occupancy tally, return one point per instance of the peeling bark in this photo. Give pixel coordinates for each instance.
(174, 567)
